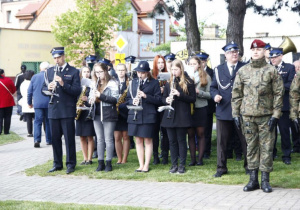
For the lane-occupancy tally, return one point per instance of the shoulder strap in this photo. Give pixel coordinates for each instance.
(6, 89)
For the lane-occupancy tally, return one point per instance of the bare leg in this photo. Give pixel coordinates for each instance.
(126, 146)
(148, 152)
(118, 145)
(140, 151)
(90, 147)
(84, 147)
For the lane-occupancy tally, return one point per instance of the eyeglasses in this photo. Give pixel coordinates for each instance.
(98, 72)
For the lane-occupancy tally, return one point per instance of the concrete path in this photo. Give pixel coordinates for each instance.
(15, 185)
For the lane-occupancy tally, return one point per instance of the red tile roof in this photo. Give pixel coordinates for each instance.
(146, 5)
(30, 9)
(143, 27)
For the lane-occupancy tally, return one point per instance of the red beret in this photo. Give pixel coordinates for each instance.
(257, 44)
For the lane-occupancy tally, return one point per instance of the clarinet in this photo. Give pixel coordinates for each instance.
(53, 90)
(170, 111)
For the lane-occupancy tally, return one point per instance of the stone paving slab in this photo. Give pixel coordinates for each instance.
(15, 185)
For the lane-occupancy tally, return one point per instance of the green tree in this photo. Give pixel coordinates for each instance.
(90, 27)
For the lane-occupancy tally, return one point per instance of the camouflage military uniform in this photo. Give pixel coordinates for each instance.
(295, 97)
(257, 95)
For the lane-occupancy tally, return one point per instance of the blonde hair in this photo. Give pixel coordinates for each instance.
(106, 78)
(183, 80)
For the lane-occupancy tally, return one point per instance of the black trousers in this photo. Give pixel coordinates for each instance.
(64, 127)
(29, 117)
(225, 129)
(164, 145)
(5, 118)
(284, 129)
(234, 145)
(208, 132)
(178, 145)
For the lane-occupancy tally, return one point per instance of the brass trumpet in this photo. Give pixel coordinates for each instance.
(91, 110)
(137, 107)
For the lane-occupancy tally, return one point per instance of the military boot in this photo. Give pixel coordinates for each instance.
(265, 186)
(101, 165)
(253, 182)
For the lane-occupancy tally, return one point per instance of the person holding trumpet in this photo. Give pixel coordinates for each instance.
(62, 109)
(179, 93)
(143, 93)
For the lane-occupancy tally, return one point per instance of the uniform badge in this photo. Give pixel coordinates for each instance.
(254, 44)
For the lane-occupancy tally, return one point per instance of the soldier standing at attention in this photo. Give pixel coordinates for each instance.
(287, 72)
(220, 90)
(257, 98)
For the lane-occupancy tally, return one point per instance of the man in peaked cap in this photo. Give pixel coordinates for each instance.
(130, 59)
(257, 99)
(267, 52)
(91, 60)
(63, 80)
(287, 72)
(220, 89)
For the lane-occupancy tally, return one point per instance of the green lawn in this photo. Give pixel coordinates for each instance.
(10, 138)
(20, 205)
(283, 175)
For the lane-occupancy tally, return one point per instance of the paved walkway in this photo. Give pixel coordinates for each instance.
(15, 185)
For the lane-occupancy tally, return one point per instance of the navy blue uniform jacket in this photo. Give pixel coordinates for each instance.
(64, 106)
(287, 72)
(224, 110)
(149, 113)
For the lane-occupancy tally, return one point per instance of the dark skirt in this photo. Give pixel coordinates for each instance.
(199, 117)
(121, 125)
(85, 128)
(142, 130)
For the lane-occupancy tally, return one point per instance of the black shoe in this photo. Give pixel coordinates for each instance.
(181, 169)
(89, 162)
(253, 182)
(101, 165)
(173, 169)
(83, 163)
(70, 170)
(220, 173)
(36, 144)
(156, 160)
(48, 143)
(21, 117)
(287, 162)
(108, 166)
(192, 163)
(29, 135)
(138, 170)
(200, 163)
(55, 169)
(238, 158)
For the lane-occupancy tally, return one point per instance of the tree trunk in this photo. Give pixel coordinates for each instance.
(191, 26)
(235, 26)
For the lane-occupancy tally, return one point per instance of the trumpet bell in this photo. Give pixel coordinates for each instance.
(287, 45)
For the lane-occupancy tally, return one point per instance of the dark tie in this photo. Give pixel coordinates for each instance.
(60, 69)
(232, 69)
(142, 83)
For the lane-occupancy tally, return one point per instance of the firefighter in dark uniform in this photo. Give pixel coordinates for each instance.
(287, 72)
(220, 89)
(64, 81)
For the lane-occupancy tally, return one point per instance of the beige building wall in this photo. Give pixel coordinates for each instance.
(47, 17)
(19, 46)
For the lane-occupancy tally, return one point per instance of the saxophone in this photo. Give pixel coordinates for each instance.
(121, 99)
(80, 102)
